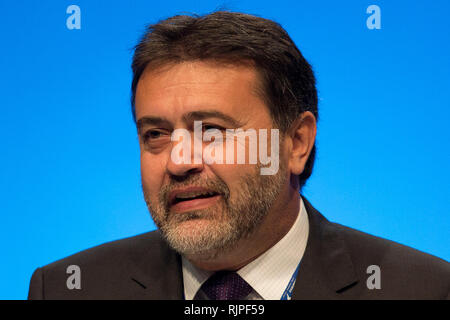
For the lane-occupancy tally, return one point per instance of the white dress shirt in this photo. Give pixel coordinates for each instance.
(269, 274)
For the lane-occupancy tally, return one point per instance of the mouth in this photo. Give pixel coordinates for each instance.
(192, 199)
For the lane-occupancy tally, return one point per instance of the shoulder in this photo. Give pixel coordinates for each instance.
(112, 252)
(109, 270)
(404, 271)
(353, 258)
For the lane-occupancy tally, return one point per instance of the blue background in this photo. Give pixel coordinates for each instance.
(69, 166)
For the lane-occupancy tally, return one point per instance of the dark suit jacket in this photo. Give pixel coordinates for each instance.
(334, 266)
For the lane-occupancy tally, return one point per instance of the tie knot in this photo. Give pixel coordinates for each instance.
(226, 285)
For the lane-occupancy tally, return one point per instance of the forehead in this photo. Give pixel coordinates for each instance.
(191, 86)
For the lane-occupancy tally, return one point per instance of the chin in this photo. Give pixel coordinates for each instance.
(200, 238)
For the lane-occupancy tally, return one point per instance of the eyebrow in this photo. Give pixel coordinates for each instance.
(189, 117)
(150, 120)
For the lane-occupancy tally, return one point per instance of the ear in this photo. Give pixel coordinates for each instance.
(303, 135)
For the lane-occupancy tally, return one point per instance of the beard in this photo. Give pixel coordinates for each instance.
(208, 232)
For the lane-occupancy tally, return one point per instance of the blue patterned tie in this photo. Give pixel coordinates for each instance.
(226, 285)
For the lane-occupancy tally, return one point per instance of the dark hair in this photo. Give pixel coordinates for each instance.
(286, 78)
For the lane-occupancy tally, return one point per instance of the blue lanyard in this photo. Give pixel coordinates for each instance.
(287, 294)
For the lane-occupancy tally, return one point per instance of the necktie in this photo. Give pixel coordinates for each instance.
(226, 285)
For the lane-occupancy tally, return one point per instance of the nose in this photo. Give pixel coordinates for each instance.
(185, 157)
(183, 169)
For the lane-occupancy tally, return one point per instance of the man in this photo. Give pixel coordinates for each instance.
(228, 227)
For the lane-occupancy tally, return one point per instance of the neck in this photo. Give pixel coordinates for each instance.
(274, 227)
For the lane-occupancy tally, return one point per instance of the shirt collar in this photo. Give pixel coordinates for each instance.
(270, 273)
(193, 278)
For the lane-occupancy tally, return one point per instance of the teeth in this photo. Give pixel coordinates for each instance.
(193, 194)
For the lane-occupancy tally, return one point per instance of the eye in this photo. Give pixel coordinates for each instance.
(210, 132)
(212, 126)
(151, 135)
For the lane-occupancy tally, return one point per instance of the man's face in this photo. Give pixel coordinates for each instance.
(202, 209)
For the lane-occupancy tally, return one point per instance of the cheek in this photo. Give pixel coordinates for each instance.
(152, 173)
(232, 174)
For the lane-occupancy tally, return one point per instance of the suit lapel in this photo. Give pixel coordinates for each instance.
(326, 269)
(158, 276)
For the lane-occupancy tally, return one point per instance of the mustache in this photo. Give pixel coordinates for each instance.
(214, 184)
